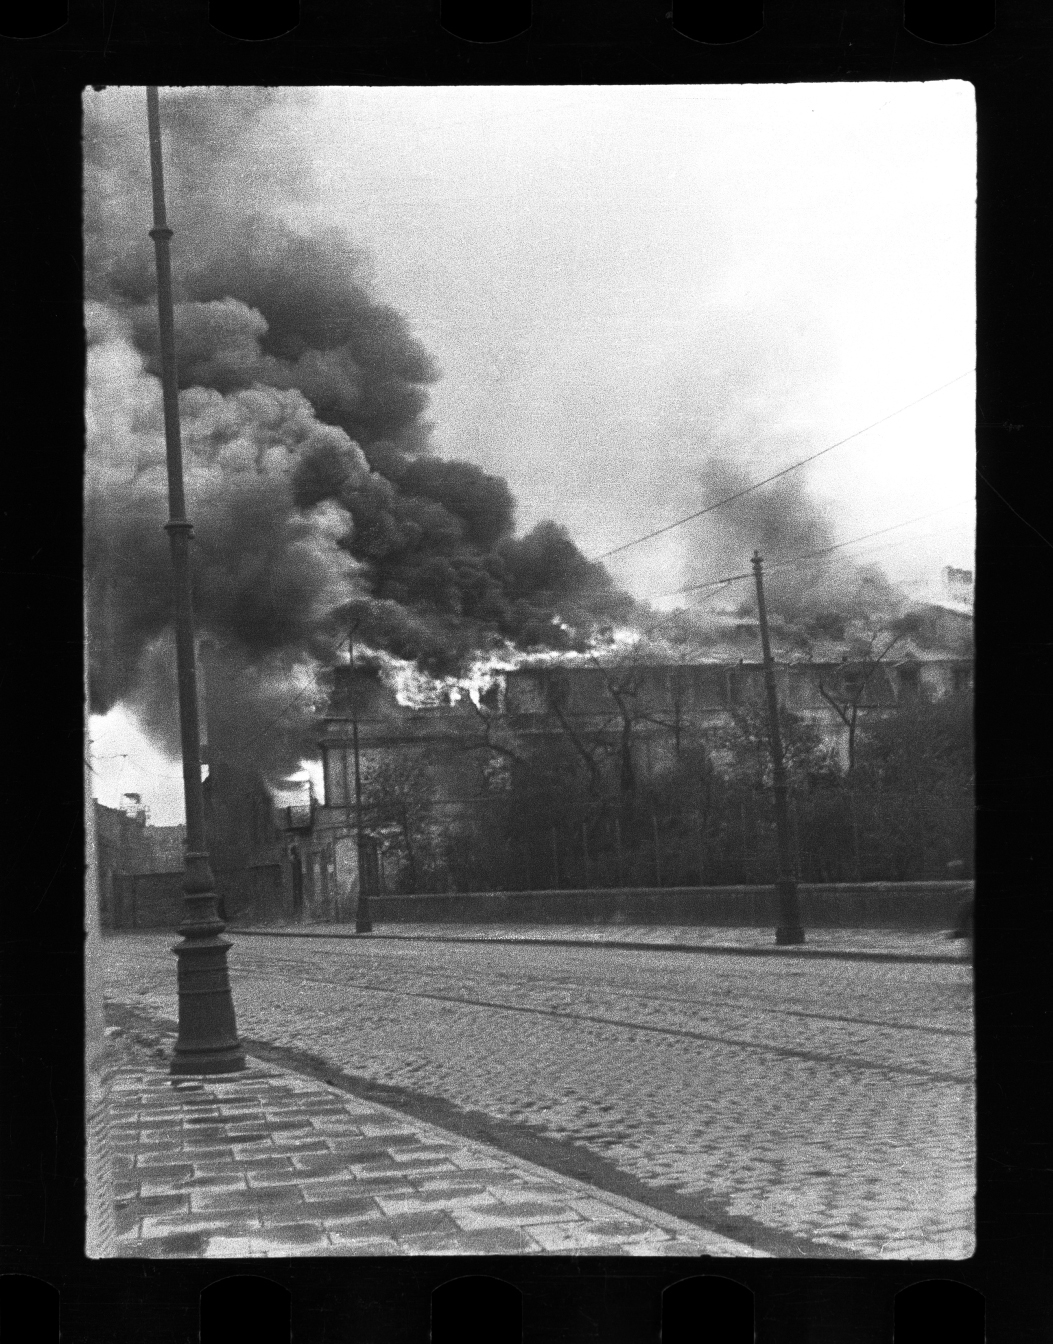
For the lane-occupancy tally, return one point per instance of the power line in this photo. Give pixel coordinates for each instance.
(812, 555)
(729, 499)
(890, 545)
(736, 578)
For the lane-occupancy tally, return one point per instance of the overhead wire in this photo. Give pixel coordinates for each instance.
(776, 565)
(794, 466)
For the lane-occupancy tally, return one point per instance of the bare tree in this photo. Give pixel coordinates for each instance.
(399, 793)
(857, 676)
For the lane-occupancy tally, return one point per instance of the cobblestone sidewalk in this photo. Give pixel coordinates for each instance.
(269, 1163)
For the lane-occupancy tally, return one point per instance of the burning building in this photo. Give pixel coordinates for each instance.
(635, 713)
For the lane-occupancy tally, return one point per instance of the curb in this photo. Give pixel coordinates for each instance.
(718, 949)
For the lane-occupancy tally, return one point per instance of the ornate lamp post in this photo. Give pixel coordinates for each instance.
(208, 1037)
(788, 929)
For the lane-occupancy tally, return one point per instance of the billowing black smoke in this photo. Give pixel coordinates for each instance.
(316, 496)
(812, 592)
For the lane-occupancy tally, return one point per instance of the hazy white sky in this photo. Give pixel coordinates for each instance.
(612, 279)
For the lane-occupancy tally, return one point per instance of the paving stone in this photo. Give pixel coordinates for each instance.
(539, 1210)
(224, 1223)
(161, 1203)
(451, 1185)
(260, 1160)
(155, 1170)
(416, 1169)
(232, 1180)
(162, 1143)
(528, 1194)
(408, 1224)
(657, 1244)
(569, 1237)
(178, 1246)
(492, 1241)
(330, 1187)
(258, 1197)
(386, 1184)
(319, 1164)
(173, 1185)
(362, 1148)
(366, 1243)
(286, 1144)
(452, 1199)
(380, 1171)
(248, 1149)
(205, 1147)
(350, 1215)
(478, 1219)
(230, 1247)
(293, 1234)
(339, 1205)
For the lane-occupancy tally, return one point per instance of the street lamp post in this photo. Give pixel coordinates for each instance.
(363, 923)
(208, 1036)
(788, 929)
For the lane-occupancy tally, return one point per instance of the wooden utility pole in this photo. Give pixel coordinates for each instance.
(208, 1036)
(788, 929)
(363, 923)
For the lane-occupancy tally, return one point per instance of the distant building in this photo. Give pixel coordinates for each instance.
(452, 758)
(461, 749)
(129, 846)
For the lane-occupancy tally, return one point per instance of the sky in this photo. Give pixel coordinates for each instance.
(612, 279)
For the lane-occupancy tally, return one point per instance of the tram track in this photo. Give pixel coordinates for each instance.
(747, 1004)
(697, 949)
(682, 1033)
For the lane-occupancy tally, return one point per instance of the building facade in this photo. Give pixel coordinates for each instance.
(128, 846)
(457, 749)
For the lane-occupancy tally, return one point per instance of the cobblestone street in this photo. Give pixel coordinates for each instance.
(826, 1105)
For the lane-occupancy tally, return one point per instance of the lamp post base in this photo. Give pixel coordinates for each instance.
(220, 1061)
(363, 926)
(789, 929)
(208, 1036)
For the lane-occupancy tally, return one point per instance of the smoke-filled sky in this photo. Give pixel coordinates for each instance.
(615, 304)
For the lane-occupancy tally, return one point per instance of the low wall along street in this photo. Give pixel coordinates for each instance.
(155, 900)
(862, 905)
(258, 896)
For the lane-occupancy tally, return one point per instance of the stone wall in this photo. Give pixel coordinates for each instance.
(257, 894)
(889, 905)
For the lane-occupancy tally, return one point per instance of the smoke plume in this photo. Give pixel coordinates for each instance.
(819, 595)
(317, 498)
(736, 419)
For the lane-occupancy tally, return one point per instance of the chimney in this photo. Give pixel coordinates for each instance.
(958, 584)
(132, 805)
